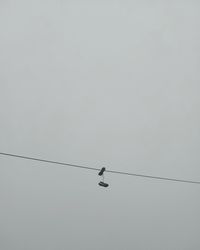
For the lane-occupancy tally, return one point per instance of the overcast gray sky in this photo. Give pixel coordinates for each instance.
(99, 83)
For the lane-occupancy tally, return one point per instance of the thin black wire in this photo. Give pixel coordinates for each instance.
(97, 169)
(155, 177)
(47, 161)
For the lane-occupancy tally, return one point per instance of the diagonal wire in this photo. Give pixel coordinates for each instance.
(48, 161)
(154, 177)
(97, 169)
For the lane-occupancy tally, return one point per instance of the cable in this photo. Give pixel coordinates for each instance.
(97, 169)
(47, 161)
(154, 177)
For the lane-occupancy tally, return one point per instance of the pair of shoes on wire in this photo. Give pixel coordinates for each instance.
(101, 173)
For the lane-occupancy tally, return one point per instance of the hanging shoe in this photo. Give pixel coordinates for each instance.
(102, 171)
(103, 184)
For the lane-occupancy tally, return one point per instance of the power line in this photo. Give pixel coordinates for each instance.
(47, 161)
(97, 169)
(154, 177)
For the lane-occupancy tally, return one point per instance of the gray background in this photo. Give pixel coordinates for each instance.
(99, 83)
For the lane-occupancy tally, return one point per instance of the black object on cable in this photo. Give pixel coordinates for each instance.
(102, 171)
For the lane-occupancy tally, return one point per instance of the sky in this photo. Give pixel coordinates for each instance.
(110, 84)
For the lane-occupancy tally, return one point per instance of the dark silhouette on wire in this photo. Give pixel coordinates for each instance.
(101, 170)
(102, 183)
